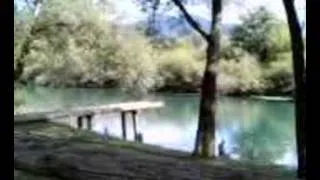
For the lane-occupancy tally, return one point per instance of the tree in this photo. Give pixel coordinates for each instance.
(38, 22)
(25, 45)
(205, 137)
(72, 44)
(300, 84)
(253, 34)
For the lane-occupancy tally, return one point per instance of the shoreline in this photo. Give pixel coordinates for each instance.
(273, 98)
(276, 97)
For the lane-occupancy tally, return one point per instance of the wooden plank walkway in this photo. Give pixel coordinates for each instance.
(87, 113)
(82, 111)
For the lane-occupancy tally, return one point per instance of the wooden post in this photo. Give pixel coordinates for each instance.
(79, 122)
(134, 115)
(89, 121)
(140, 138)
(123, 122)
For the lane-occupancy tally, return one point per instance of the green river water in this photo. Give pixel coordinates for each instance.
(257, 130)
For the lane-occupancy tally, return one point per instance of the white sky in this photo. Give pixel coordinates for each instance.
(129, 12)
(231, 11)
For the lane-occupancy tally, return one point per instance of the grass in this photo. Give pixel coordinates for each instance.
(96, 144)
(23, 175)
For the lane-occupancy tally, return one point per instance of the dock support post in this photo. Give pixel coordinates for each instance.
(89, 121)
(79, 122)
(123, 123)
(134, 115)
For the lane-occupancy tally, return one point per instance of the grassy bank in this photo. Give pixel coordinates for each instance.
(190, 88)
(52, 151)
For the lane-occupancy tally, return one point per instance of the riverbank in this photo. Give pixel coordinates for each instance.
(52, 151)
(270, 95)
(273, 98)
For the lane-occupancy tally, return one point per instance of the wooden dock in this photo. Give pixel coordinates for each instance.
(88, 112)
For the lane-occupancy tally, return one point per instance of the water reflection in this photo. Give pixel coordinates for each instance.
(262, 142)
(259, 130)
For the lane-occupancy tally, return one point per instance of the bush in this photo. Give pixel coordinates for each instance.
(279, 74)
(280, 39)
(77, 46)
(135, 65)
(240, 76)
(179, 68)
(65, 47)
(262, 34)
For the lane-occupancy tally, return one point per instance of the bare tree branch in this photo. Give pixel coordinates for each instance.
(190, 20)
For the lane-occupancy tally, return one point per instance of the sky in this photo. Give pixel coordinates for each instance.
(231, 12)
(129, 11)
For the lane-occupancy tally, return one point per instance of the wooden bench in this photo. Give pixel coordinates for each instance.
(88, 112)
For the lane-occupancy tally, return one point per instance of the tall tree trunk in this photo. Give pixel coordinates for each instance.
(300, 82)
(205, 138)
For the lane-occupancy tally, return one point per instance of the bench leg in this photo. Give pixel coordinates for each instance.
(89, 121)
(123, 123)
(79, 122)
(134, 120)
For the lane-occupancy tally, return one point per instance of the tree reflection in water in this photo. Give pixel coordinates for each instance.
(264, 142)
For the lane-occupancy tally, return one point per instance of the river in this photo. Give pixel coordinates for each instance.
(257, 130)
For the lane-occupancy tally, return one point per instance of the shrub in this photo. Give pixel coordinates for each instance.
(240, 76)
(179, 67)
(279, 73)
(135, 65)
(262, 34)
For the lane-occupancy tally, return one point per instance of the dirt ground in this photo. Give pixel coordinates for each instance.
(52, 152)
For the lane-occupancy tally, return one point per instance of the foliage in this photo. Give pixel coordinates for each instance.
(229, 51)
(76, 45)
(21, 26)
(280, 38)
(179, 67)
(136, 71)
(254, 32)
(279, 73)
(241, 75)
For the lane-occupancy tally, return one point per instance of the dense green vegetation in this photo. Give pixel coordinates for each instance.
(75, 45)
